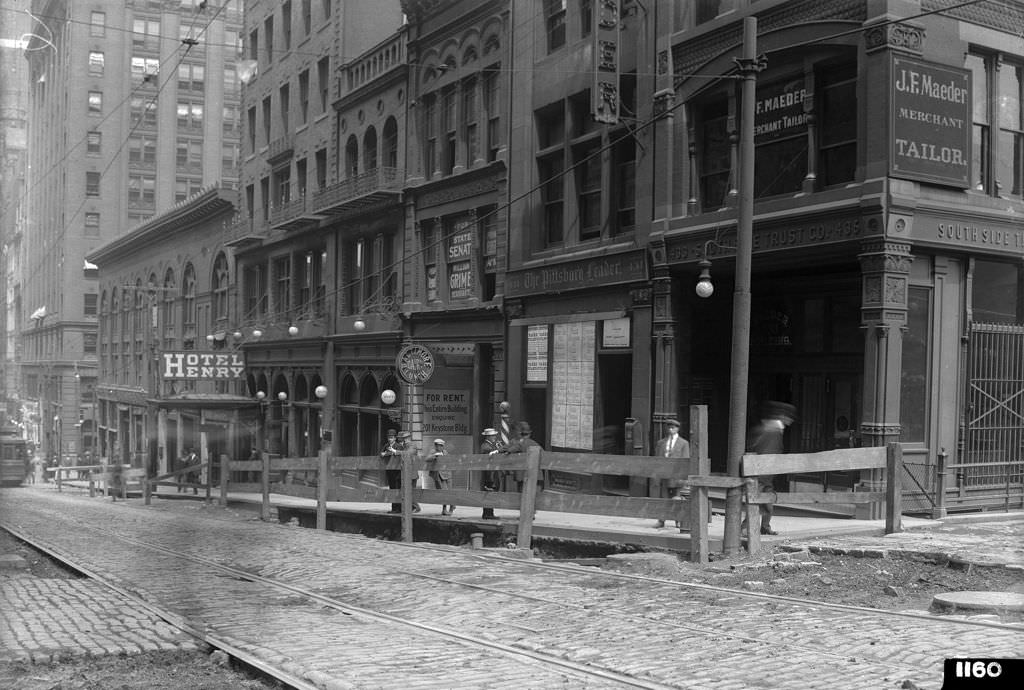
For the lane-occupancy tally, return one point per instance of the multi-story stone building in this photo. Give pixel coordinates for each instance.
(887, 290)
(171, 378)
(320, 236)
(133, 109)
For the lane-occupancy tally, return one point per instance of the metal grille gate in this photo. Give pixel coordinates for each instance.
(991, 468)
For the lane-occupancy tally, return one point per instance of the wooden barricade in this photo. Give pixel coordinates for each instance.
(173, 479)
(889, 458)
(111, 482)
(63, 473)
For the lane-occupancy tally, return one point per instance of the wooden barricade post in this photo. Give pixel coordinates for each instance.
(265, 487)
(321, 490)
(528, 504)
(893, 495)
(406, 488)
(225, 467)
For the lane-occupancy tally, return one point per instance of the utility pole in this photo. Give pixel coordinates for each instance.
(749, 65)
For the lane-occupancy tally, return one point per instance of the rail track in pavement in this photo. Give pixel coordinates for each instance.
(306, 607)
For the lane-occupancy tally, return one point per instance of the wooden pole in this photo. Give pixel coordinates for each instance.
(528, 502)
(321, 490)
(893, 495)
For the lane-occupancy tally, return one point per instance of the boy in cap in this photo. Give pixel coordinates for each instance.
(391, 449)
(441, 477)
(672, 446)
(490, 480)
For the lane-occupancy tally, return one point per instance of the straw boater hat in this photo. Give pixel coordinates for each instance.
(404, 434)
(672, 422)
(490, 432)
(438, 441)
(775, 409)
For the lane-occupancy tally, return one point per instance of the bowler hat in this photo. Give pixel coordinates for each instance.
(392, 432)
(672, 422)
(524, 428)
(438, 441)
(490, 432)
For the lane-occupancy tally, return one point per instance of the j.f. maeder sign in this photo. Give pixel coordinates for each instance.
(203, 365)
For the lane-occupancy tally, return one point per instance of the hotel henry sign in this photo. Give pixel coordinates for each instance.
(203, 365)
(931, 122)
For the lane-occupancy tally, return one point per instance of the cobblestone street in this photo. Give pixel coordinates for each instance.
(437, 603)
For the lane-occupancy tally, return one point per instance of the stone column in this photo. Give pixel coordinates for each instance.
(885, 275)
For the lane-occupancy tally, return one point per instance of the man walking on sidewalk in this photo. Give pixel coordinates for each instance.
(672, 446)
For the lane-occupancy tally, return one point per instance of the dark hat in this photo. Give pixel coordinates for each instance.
(776, 409)
(392, 432)
(524, 428)
(672, 422)
(490, 432)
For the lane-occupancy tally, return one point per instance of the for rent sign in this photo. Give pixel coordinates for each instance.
(203, 365)
(931, 122)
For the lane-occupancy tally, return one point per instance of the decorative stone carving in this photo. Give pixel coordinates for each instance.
(895, 36)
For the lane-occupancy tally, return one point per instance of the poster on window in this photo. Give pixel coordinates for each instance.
(572, 391)
(537, 354)
(460, 261)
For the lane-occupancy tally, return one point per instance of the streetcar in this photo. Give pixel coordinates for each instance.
(14, 457)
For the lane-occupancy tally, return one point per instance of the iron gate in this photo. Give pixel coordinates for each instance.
(991, 467)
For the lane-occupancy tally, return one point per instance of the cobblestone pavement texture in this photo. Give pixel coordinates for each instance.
(662, 633)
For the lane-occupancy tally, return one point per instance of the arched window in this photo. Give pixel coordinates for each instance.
(370, 150)
(352, 156)
(169, 291)
(220, 292)
(389, 150)
(188, 307)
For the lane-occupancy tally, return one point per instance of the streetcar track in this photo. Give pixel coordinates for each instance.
(563, 664)
(370, 549)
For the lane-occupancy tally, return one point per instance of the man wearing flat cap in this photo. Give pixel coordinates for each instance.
(392, 449)
(672, 446)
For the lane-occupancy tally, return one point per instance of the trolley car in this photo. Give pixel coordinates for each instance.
(14, 458)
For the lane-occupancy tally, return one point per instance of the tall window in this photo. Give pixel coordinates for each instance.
(266, 120)
(837, 154)
(268, 37)
(251, 122)
(96, 60)
(191, 77)
(430, 136)
(284, 101)
(188, 307)
(323, 80)
(190, 115)
(587, 161)
(143, 112)
(470, 131)
(554, 20)
(170, 291)
(998, 127)
(304, 96)
(256, 291)
(220, 291)
(92, 184)
(448, 130)
(98, 24)
(780, 161)
(321, 168)
(95, 102)
(492, 106)
(93, 142)
(282, 268)
(714, 150)
(914, 398)
(286, 24)
(307, 16)
(146, 33)
(142, 150)
(997, 292)
(92, 224)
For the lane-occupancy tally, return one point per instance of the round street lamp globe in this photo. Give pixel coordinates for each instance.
(293, 330)
(704, 288)
(282, 396)
(388, 396)
(320, 392)
(359, 325)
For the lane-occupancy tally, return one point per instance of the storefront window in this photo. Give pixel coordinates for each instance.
(914, 378)
(996, 293)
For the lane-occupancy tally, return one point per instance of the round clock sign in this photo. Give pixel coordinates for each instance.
(415, 364)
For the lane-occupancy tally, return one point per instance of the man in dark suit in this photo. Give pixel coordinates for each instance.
(391, 449)
(766, 438)
(490, 480)
(672, 446)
